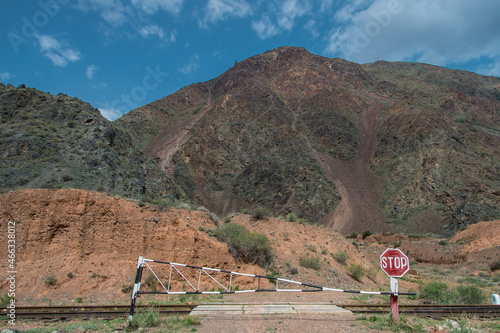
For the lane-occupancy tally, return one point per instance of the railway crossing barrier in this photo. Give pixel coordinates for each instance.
(225, 282)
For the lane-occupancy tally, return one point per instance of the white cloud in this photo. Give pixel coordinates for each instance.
(265, 28)
(284, 15)
(112, 11)
(311, 27)
(152, 30)
(437, 32)
(99, 86)
(192, 66)
(5, 76)
(218, 10)
(110, 113)
(152, 6)
(173, 35)
(56, 52)
(491, 69)
(290, 10)
(90, 71)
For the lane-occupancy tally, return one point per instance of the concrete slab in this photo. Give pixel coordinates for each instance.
(262, 309)
(319, 308)
(277, 308)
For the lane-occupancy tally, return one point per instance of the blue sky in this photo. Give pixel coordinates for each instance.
(121, 54)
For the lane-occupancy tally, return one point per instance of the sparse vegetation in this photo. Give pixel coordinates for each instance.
(311, 247)
(341, 257)
(50, 280)
(127, 289)
(439, 292)
(292, 217)
(5, 300)
(356, 271)
(353, 235)
(245, 245)
(261, 213)
(310, 262)
(148, 318)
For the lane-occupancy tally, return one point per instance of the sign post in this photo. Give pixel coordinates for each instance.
(395, 264)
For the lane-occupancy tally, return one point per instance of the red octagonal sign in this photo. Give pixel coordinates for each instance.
(394, 263)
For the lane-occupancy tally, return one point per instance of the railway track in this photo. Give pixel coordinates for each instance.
(449, 310)
(101, 311)
(110, 311)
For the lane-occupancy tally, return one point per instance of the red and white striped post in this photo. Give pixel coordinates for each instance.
(395, 264)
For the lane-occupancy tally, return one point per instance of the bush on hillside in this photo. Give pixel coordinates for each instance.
(310, 262)
(440, 293)
(245, 245)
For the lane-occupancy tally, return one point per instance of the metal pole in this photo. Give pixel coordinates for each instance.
(137, 287)
(394, 299)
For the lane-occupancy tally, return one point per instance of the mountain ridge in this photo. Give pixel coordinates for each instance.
(321, 99)
(401, 147)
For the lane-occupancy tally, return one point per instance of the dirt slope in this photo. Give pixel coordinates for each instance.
(98, 239)
(163, 147)
(358, 211)
(90, 242)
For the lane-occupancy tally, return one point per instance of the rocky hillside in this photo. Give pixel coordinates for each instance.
(76, 246)
(438, 146)
(80, 244)
(49, 141)
(351, 146)
(399, 147)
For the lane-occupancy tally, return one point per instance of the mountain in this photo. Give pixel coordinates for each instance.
(384, 147)
(49, 141)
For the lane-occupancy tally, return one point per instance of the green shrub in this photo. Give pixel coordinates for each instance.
(353, 235)
(436, 291)
(292, 217)
(150, 318)
(439, 292)
(356, 271)
(260, 213)
(366, 233)
(126, 289)
(150, 282)
(190, 321)
(341, 257)
(50, 280)
(245, 245)
(310, 262)
(5, 300)
(469, 294)
(311, 247)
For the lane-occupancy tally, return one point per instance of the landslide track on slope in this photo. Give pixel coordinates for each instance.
(360, 191)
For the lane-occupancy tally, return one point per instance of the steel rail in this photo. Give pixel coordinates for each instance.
(71, 311)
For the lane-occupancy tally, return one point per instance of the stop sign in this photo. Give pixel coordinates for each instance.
(394, 263)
